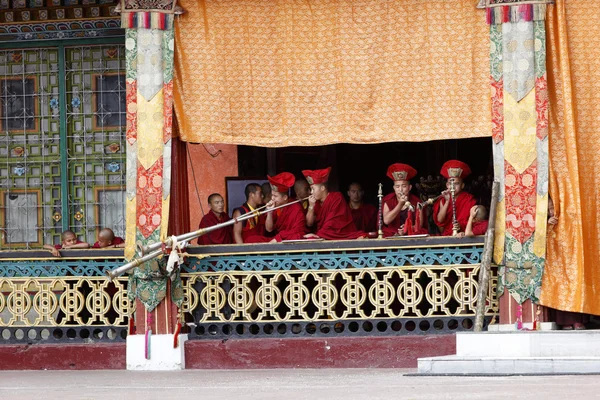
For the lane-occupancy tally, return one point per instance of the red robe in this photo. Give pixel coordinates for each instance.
(220, 236)
(289, 223)
(464, 202)
(253, 229)
(479, 227)
(391, 229)
(334, 219)
(116, 240)
(365, 217)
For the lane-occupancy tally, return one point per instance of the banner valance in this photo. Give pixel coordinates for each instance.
(282, 72)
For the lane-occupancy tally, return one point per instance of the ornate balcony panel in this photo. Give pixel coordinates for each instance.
(318, 289)
(380, 288)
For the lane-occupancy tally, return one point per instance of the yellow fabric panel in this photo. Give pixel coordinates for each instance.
(130, 228)
(571, 280)
(150, 119)
(286, 72)
(499, 234)
(541, 217)
(519, 131)
(164, 222)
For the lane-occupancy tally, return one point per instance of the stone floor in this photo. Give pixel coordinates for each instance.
(287, 384)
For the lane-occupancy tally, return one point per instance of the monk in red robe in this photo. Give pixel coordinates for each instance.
(401, 212)
(302, 191)
(455, 172)
(364, 215)
(215, 216)
(287, 223)
(478, 223)
(333, 218)
(251, 230)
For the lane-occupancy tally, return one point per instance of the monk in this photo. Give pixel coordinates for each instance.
(107, 239)
(288, 223)
(455, 172)
(401, 213)
(251, 230)
(364, 215)
(302, 191)
(266, 190)
(216, 215)
(333, 219)
(477, 224)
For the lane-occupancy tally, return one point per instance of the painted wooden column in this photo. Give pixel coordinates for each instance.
(519, 99)
(149, 43)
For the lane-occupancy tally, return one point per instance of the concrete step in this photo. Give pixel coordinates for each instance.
(461, 365)
(537, 344)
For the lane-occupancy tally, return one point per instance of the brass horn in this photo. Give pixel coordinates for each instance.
(147, 253)
(115, 273)
(142, 250)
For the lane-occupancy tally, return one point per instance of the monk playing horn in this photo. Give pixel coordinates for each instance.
(333, 218)
(401, 216)
(451, 212)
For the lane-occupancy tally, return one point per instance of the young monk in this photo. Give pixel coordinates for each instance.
(333, 218)
(287, 223)
(69, 241)
(455, 172)
(477, 224)
(364, 215)
(401, 214)
(251, 230)
(216, 215)
(107, 238)
(302, 191)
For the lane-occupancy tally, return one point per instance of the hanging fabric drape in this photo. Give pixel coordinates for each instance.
(284, 72)
(571, 279)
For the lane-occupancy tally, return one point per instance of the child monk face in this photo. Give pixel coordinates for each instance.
(318, 191)
(279, 198)
(69, 239)
(402, 188)
(458, 185)
(217, 204)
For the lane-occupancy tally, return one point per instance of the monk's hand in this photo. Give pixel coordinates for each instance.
(446, 194)
(552, 221)
(460, 234)
(270, 205)
(312, 200)
(401, 231)
(474, 211)
(55, 252)
(456, 227)
(311, 236)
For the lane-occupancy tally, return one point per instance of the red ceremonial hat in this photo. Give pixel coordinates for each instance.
(455, 169)
(401, 172)
(282, 182)
(317, 176)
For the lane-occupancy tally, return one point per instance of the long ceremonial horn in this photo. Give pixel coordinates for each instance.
(143, 250)
(115, 273)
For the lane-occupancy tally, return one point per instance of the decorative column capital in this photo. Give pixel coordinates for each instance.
(148, 14)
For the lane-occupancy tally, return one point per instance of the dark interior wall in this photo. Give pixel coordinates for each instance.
(367, 164)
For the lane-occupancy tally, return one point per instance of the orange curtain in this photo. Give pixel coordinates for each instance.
(315, 72)
(571, 279)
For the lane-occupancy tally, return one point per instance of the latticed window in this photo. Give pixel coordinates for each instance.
(62, 149)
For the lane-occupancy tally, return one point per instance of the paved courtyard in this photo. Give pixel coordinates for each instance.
(287, 384)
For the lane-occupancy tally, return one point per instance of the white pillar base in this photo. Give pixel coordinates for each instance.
(163, 357)
(544, 326)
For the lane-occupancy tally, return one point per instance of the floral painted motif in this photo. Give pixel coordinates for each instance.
(497, 110)
(149, 198)
(75, 102)
(541, 107)
(520, 198)
(131, 101)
